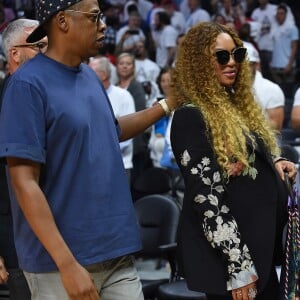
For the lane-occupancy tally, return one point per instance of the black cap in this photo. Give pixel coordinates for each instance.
(45, 9)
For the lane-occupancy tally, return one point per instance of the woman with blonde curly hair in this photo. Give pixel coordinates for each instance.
(229, 236)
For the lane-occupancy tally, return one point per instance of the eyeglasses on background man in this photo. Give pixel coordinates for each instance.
(38, 46)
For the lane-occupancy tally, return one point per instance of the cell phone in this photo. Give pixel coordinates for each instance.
(133, 31)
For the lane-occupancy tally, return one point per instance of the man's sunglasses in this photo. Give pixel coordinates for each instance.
(238, 54)
(96, 17)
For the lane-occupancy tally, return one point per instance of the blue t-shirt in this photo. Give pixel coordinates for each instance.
(60, 117)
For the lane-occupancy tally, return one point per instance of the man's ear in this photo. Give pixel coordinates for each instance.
(62, 21)
(15, 55)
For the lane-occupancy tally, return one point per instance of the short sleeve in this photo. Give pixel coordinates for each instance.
(297, 98)
(22, 122)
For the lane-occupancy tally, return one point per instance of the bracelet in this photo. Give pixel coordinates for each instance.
(165, 106)
(279, 158)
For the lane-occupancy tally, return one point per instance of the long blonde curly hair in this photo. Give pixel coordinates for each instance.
(230, 117)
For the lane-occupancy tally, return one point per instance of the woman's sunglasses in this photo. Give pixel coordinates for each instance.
(238, 54)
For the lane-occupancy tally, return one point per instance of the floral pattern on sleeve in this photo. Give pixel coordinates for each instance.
(220, 228)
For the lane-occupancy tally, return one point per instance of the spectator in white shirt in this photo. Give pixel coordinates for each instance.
(264, 15)
(145, 68)
(295, 114)
(146, 72)
(198, 14)
(143, 7)
(165, 39)
(177, 17)
(129, 34)
(285, 37)
(267, 93)
(121, 102)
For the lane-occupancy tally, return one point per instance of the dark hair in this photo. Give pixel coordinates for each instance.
(282, 6)
(219, 15)
(161, 73)
(164, 18)
(131, 8)
(245, 32)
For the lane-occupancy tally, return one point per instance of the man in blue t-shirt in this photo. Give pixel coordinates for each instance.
(74, 221)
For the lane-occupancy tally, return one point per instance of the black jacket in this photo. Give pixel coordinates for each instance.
(226, 225)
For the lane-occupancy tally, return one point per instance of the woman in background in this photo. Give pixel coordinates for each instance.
(126, 75)
(158, 133)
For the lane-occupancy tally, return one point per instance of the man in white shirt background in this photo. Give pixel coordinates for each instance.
(295, 115)
(198, 14)
(285, 37)
(164, 37)
(267, 93)
(121, 102)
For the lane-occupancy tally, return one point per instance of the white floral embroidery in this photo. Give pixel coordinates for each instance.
(194, 171)
(209, 214)
(185, 158)
(251, 171)
(221, 234)
(200, 199)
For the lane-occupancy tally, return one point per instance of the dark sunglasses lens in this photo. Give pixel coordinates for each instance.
(239, 54)
(223, 57)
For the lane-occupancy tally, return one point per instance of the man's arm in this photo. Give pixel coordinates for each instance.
(138, 122)
(276, 116)
(24, 176)
(3, 272)
(171, 55)
(294, 46)
(295, 117)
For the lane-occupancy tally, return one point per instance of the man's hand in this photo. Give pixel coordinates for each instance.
(78, 283)
(3, 272)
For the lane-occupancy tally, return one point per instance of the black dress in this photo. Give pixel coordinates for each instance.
(230, 229)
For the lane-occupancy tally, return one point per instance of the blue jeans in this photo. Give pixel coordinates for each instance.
(115, 279)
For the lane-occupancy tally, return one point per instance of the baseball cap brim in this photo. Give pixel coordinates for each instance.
(37, 34)
(46, 10)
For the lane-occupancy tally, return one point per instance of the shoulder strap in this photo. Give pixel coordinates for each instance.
(289, 187)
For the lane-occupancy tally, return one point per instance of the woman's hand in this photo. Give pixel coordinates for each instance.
(3, 272)
(247, 292)
(235, 169)
(283, 166)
